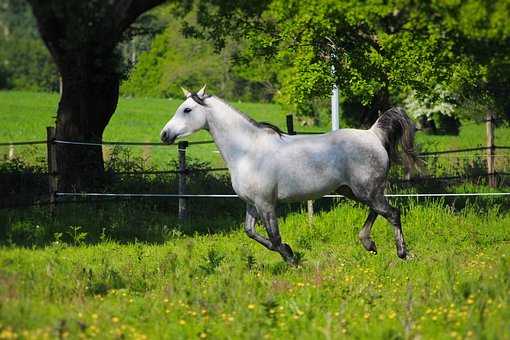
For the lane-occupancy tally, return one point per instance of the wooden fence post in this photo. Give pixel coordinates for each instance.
(52, 165)
(11, 155)
(310, 210)
(290, 124)
(182, 179)
(491, 149)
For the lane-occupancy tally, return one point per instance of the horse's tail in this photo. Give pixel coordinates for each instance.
(394, 127)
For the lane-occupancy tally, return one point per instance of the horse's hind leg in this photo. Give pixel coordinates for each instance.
(381, 206)
(364, 234)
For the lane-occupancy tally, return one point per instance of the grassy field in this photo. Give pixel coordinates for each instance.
(25, 116)
(130, 269)
(222, 285)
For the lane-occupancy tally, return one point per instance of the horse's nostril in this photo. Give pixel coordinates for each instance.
(163, 135)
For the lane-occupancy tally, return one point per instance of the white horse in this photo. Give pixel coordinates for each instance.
(267, 166)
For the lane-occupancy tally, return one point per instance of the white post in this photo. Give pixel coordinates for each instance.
(11, 152)
(335, 112)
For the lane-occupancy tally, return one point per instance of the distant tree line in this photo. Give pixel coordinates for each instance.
(25, 63)
(174, 60)
(154, 58)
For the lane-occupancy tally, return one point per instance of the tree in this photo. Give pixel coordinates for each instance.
(482, 31)
(380, 50)
(480, 74)
(174, 60)
(82, 37)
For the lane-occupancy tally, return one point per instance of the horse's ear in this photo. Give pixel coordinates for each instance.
(201, 93)
(186, 92)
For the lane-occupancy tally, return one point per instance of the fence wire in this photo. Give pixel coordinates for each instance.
(97, 194)
(415, 180)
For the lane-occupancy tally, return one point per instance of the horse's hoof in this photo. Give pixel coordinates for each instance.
(287, 250)
(369, 245)
(402, 254)
(292, 262)
(288, 255)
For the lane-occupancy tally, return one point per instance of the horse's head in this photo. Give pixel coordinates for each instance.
(189, 117)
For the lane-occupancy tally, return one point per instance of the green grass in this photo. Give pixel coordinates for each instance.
(471, 135)
(129, 269)
(25, 116)
(224, 285)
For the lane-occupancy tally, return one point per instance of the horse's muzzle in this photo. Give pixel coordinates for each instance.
(167, 138)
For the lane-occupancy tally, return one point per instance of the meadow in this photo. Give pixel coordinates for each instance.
(26, 115)
(129, 269)
(221, 285)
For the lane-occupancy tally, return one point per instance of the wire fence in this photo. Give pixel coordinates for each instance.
(455, 153)
(126, 143)
(85, 143)
(425, 155)
(105, 194)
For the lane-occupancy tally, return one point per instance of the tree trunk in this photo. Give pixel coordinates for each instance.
(82, 36)
(379, 105)
(89, 98)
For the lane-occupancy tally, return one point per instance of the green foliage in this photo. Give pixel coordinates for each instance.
(381, 51)
(78, 237)
(482, 38)
(174, 60)
(16, 19)
(211, 262)
(138, 38)
(25, 63)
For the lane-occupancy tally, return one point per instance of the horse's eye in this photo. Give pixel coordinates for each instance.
(187, 110)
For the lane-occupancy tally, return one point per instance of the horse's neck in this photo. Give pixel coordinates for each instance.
(234, 135)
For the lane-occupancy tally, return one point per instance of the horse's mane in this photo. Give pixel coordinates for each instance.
(260, 125)
(266, 125)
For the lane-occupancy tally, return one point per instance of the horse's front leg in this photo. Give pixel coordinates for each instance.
(270, 220)
(249, 227)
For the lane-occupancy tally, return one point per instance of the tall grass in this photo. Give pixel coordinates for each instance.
(130, 269)
(223, 285)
